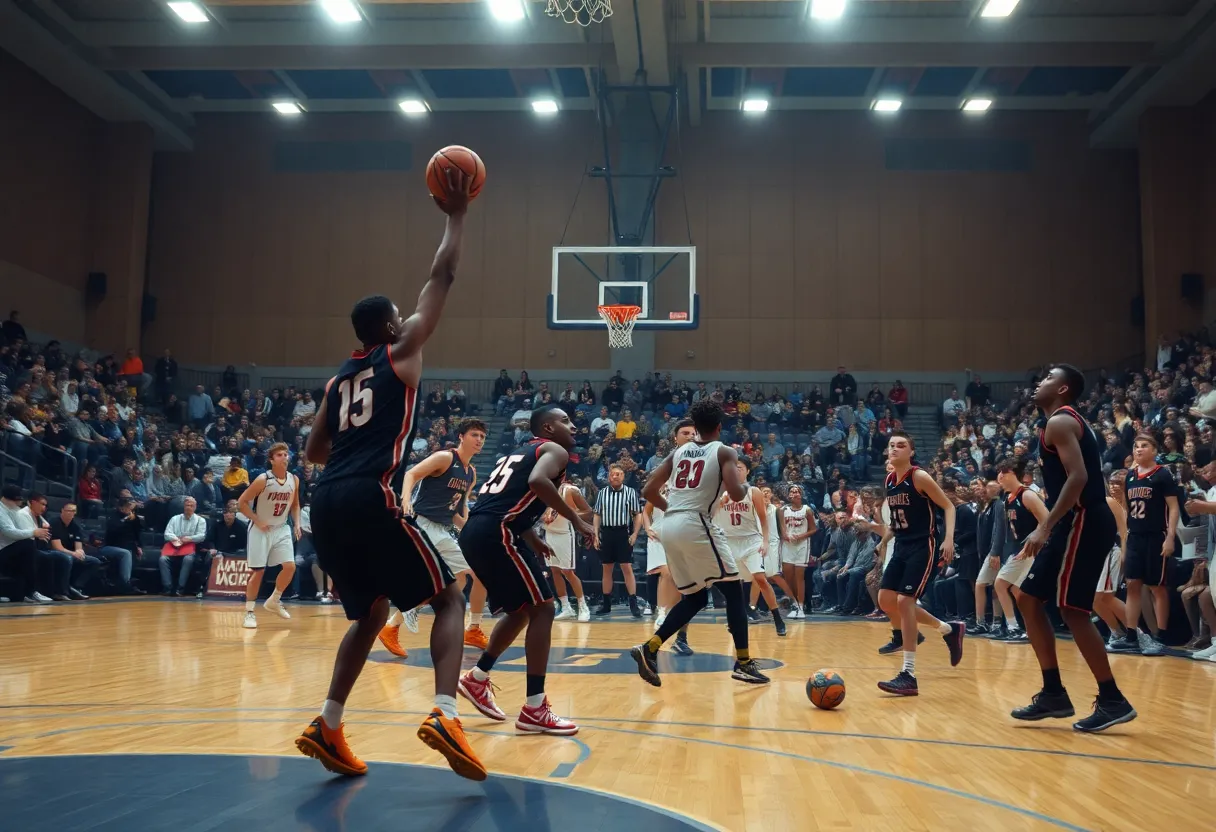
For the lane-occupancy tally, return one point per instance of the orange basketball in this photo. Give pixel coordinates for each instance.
(454, 156)
(825, 689)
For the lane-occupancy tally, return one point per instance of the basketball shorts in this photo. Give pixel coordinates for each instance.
(697, 552)
(512, 573)
(1067, 568)
(271, 548)
(1144, 561)
(444, 541)
(772, 559)
(746, 551)
(799, 554)
(614, 545)
(1112, 572)
(910, 568)
(370, 552)
(656, 555)
(988, 573)
(1015, 571)
(564, 549)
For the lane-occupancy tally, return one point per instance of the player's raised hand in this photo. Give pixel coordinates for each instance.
(456, 197)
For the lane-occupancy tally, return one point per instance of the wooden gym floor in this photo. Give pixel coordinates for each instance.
(202, 714)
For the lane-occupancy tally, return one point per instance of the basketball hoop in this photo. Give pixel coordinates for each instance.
(582, 12)
(620, 319)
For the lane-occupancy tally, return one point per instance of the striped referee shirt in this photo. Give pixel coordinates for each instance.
(617, 508)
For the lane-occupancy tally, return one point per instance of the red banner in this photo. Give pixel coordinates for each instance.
(228, 577)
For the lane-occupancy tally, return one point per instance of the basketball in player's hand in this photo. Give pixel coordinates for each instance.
(825, 689)
(440, 170)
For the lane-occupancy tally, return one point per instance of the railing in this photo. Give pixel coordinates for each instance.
(188, 379)
(70, 465)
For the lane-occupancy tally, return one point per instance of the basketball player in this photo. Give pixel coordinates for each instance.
(373, 554)
(1069, 548)
(697, 554)
(436, 493)
(745, 524)
(270, 541)
(656, 558)
(772, 556)
(559, 537)
(1106, 603)
(1152, 522)
(911, 495)
(797, 525)
(504, 551)
(1024, 511)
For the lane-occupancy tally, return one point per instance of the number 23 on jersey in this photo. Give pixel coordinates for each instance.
(688, 473)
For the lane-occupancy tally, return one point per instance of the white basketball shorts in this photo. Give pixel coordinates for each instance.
(444, 544)
(1015, 571)
(747, 554)
(799, 554)
(272, 548)
(656, 555)
(988, 572)
(563, 546)
(697, 552)
(1112, 572)
(772, 560)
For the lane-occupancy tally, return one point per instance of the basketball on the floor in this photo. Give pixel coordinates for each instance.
(454, 156)
(825, 689)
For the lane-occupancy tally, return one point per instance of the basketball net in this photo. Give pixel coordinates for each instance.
(582, 12)
(620, 320)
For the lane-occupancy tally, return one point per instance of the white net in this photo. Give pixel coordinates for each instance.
(620, 321)
(582, 12)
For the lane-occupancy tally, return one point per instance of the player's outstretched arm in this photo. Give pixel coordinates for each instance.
(317, 445)
(549, 466)
(419, 326)
(736, 486)
(652, 492)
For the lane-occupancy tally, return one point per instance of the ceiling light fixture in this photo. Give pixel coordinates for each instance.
(341, 11)
(413, 106)
(544, 105)
(507, 11)
(189, 12)
(886, 105)
(828, 9)
(977, 105)
(999, 8)
(755, 105)
(287, 108)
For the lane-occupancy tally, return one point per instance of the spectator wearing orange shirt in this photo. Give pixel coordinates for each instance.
(133, 372)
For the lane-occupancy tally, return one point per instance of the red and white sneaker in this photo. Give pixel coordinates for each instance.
(542, 720)
(481, 694)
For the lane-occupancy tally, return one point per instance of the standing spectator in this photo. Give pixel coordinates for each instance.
(978, 394)
(184, 532)
(827, 438)
(843, 388)
(166, 375)
(20, 534)
(122, 543)
(200, 408)
(618, 517)
(133, 374)
(67, 540)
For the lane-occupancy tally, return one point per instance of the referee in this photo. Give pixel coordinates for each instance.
(618, 517)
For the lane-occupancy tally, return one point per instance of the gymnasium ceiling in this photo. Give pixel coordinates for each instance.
(135, 60)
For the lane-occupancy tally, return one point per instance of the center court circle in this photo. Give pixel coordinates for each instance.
(593, 660)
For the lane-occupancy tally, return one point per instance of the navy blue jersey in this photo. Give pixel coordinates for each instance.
(370, 416)
(1093, 495)
(506, 496)
(1147, 512)
(1021, 519)
(911, 511)
(441, 497)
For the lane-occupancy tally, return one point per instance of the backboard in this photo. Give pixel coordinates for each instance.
(662, 280)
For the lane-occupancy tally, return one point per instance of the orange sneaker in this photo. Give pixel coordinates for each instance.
(388, 637)
(327, 745)
(474, 637)
(447, 737)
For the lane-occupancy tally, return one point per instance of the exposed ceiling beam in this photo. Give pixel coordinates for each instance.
(1142, 29)
(379, 105)
(787, 102)
(917, 54)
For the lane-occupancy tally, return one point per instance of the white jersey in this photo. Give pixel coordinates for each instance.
(774, 534)
(560, 525)
(796, 523)
(696, 478)
(273, 505)
(738, 520)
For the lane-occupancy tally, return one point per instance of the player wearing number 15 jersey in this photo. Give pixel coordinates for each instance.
(911, 495)
(506, 555)
(374, 555)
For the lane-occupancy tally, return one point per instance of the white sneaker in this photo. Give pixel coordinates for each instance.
(328, 599)
(659, 618)
(1207, 654)
(646, 609)
(584, 611)
(321, 597)
(251, 620)
(796, 612)
(273, 605)
(411, 620)
(565, 613)
(37, 597)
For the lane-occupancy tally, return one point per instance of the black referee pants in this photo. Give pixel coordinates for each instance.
(614, 545)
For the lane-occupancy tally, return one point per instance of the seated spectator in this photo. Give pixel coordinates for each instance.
(200, 408)
(898, 397)
(626, 427)
(1197, 602)
(826, 440)
(20, 536)
(183, 534)
(88, 487)
(458, 400)
(524, 389)
(122, 543)
(613, 397)
(602, 426)
(306, 555)
(133, 374)
(502, 385)
(952, 408)
(227, 537)
(74, 567)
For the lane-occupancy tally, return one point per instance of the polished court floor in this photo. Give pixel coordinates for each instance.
(164, 714)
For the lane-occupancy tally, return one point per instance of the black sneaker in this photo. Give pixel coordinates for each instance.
(954, 640)
(997, 632)
(754, 616)
(76, 595)
(603, 609)
(634, 609)
(897, 642)
(779, 623)
(1105, 715)
(1045, 705)
(681, 645)
(749, 672)
(902, 685)
(1127, 644)
(977, 629)
(786, 604)
(648, 665)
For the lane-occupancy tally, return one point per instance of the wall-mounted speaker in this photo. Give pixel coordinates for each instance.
(95, 287)
(1192, 288)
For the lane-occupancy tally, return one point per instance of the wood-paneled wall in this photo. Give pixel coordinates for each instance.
(811, 253)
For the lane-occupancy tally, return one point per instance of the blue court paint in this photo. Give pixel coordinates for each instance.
(582, 660)
(566, 769)
(205, 792)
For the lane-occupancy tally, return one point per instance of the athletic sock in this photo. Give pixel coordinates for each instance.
(742, 654)
(537, 699)
(897, 636)
(395, 619)
(1051, 680)
(249, 605)
(276, 595)
(910, 662)
(654, 643)
(776, 614)
(1133, 634)
(535, 687)
(1108, 691)
(331, 712)
(484, 665)
(475, 619)
(944, 628)
(446, 705)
